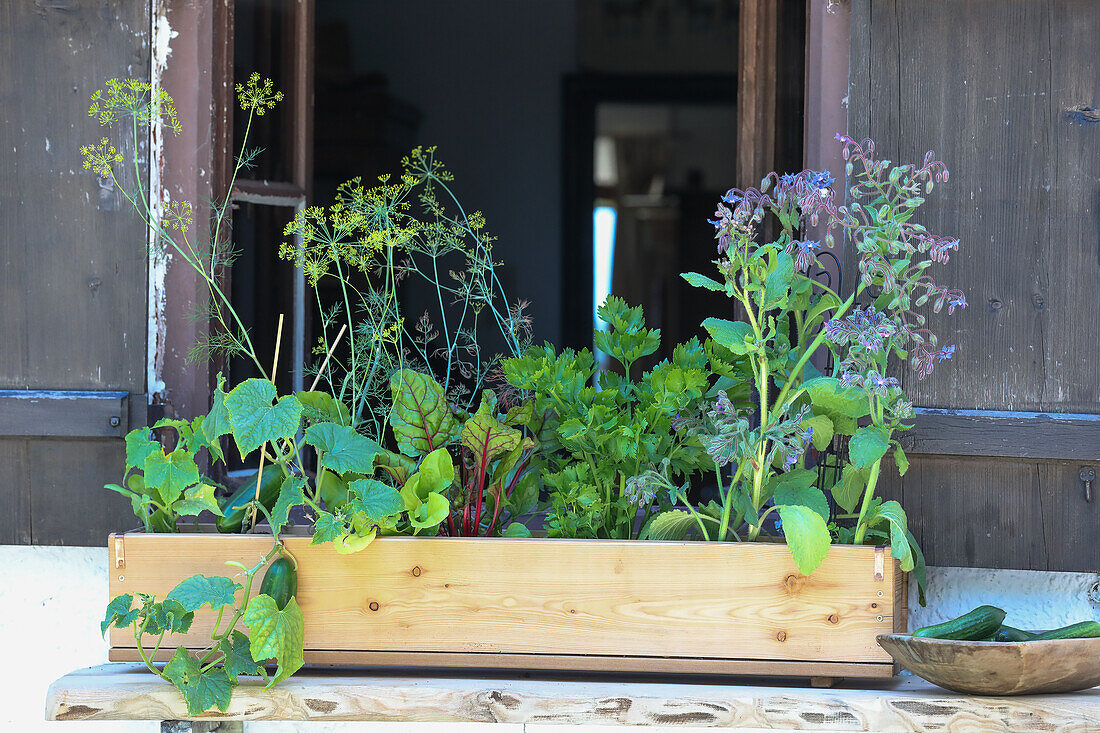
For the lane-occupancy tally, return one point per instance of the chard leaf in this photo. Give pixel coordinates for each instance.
(486, 437)
(275, 634)
(258, 417)
(342, 448)
(869, 444)
(515, 529)
(420, 417)
(198, 590)
(807, 536)
(430, 513)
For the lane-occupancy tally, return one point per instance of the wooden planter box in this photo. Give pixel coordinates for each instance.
(588, 605)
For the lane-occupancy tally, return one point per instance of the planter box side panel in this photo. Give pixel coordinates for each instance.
(555, 597)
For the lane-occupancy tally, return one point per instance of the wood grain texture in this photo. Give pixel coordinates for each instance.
(558, 597)
(128, 692)
(986, 85)
(1060, 436)
(999, 668)
(571, 663)
(72, 258)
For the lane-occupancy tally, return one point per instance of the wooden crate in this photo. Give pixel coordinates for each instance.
(590, 605)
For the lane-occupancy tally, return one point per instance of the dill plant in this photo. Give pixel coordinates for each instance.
(133, 107)
(409, 232)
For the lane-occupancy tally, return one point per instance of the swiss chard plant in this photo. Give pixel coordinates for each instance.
(605, 432)
(772, 402)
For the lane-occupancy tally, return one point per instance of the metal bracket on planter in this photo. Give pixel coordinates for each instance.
(880, 563)
(120, 552)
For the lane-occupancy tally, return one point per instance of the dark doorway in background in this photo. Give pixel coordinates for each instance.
(645, 160)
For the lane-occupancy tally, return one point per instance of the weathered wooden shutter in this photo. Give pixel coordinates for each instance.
(72, 274)
(1005, 92)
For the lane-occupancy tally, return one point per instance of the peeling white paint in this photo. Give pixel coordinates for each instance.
(158, 255)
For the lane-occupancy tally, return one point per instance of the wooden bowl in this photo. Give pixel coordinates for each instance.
(999, 668)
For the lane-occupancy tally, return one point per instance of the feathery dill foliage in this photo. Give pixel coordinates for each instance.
(132, 107)
(410, 229)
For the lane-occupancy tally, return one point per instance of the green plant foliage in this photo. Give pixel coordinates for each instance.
(257, 415)
(605, 439)
(276, 634)
(421, 419)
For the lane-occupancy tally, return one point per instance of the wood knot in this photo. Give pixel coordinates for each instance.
(781, 636)
(416, 571)
(834, 619)
(874, 605)
(793, 583)
(373, 605)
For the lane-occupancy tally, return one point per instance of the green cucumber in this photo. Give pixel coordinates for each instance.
(280, 582)
(1010, 633)
(234, 508)
(981, 623)
(1082, 630)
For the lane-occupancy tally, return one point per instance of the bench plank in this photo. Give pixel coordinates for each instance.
(123, 691)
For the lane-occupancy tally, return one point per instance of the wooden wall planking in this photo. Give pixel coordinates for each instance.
(73, 257)
(988, 86)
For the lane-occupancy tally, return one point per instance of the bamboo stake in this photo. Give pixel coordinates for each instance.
(263, 448)
(316, 379)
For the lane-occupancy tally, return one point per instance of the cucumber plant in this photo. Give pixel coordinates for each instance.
(206, 677)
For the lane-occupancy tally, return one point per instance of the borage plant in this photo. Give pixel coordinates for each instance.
(757, 443)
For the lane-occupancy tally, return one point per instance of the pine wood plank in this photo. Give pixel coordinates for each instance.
(566, 597)
(127, 692)
(571, 663)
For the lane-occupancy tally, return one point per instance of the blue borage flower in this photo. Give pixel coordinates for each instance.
(805, 252)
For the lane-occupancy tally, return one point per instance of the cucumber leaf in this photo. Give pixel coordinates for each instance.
(238, 656)
(342, 448)
(168, 475)
(198, 590)
(291, 494)
(276, 634)
(197, 499)
(201, 690)
(257, 415)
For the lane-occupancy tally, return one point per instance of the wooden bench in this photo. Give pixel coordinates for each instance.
(122, 691)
